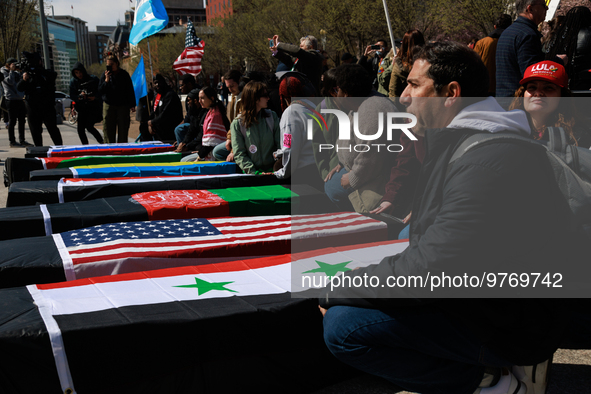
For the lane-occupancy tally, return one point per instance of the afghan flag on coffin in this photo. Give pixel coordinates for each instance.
(138, 170)
(121, 331)
(111, 249)
(38, 220)
(64, 190)
(99, 150)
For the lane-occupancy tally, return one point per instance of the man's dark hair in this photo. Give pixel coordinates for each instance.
(233, 75)
(354, 80)
(188, 79)
(384, 41)
(503, 21)
(521, 5)
(451, 61)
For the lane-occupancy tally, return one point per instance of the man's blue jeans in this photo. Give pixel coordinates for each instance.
(338, 194)
(181, 131)
(418, 349)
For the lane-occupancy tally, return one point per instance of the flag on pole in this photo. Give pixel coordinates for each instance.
(150, 17)
(140, 86)
(189, 62)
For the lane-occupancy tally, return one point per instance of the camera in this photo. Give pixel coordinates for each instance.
(376, 47)
(109, 68)
(29, 63)
(87, 89)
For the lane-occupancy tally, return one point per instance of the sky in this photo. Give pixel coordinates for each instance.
(94, 12)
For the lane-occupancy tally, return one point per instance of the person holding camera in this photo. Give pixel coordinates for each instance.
(38, 84)
(84, 91)
(379, 60)
(15, 105)
(304, 58)
(118, 97)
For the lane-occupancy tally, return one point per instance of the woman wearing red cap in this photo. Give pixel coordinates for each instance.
(545, 97)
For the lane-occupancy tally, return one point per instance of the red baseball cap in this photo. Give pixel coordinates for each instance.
(546, 71)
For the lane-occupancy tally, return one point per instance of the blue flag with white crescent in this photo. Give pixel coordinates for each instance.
(150, 17)
(138, 78)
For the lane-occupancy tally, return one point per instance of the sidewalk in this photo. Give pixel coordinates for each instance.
(571, 372)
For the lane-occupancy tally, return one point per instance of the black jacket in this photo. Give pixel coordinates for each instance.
(40, 88)
(88, 83)
(580, 64)
(308, 62)
(119, 90)
(168, 115)
(497, 209)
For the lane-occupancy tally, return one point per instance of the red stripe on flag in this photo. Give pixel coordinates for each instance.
(231, 266)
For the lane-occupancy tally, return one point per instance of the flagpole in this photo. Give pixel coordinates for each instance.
(150, 57)
(389, 27)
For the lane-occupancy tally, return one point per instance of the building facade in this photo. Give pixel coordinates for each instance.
(65, 55)
(179, 11)
(82, 37)
(218, 9)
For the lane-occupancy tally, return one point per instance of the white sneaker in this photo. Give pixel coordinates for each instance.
(535, 377)
(507, 384)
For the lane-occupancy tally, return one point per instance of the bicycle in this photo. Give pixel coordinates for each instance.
(73, 115)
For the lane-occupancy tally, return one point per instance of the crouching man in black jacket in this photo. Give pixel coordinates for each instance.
(496, 209)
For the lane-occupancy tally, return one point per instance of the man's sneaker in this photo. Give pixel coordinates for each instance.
(25, 144)
(535, 377)
(507, 384)
(15, 145)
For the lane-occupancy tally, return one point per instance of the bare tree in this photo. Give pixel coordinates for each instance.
(16, 26)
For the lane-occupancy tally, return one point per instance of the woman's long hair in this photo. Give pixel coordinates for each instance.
(563, 116)
(412, 38)
(252, 92)
(565, 40)
(216, 103)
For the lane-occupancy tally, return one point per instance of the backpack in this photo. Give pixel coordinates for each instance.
(571, 166)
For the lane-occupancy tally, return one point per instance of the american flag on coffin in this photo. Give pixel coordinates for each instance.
(99, 149)
(143, 327)
(138, 246)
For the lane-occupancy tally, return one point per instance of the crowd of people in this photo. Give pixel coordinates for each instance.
(482, 210)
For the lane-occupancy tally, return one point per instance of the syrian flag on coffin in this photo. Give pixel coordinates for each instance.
(189, 62)
(131, 328)
(138, 246)
(137, 170)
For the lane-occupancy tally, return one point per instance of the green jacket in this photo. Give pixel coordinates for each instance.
(384, 77)
(254, 152)
(327, 159)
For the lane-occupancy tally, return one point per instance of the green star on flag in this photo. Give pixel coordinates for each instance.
(329, 269)
(204, 286)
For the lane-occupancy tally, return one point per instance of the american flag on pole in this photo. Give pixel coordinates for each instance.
(189, 62)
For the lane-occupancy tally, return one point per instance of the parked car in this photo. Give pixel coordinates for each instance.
(64, 99)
